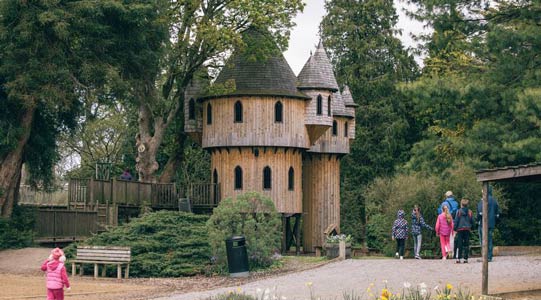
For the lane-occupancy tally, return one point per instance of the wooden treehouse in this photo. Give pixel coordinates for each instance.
(277, 134)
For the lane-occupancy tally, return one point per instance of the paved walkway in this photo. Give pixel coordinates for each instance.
(506, 274)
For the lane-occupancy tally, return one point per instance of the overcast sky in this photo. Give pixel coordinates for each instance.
(304, 36)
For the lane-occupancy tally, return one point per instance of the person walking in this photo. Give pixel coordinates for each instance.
(453, 206)
(57, 277)
(463, 224)
(400, 233)
(444, 227)
(493, 214)
(417, 222)
(126, 175)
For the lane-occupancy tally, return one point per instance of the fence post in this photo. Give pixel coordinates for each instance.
(90, 188)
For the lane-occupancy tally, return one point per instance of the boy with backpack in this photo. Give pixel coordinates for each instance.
(463, 225)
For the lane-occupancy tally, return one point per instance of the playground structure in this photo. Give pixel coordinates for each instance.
(94, 205)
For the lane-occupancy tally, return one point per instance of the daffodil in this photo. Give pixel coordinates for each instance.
(449, 286)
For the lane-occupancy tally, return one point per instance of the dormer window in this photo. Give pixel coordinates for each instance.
(334, 128)
(238, 112)
(319, 109)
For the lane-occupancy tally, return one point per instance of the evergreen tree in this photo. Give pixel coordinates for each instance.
(371, 60)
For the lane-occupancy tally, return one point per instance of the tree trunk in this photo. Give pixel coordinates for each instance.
(10, 167)
(147, 145)
(175, 160)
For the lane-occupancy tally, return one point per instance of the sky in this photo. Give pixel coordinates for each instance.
(304, 37)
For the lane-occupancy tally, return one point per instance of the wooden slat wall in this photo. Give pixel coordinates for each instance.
(311, 117)
(258, 127)
(328, 143)
(65, 224)
(321, 197)
(278, 159)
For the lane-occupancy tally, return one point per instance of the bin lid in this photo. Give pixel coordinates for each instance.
(236, 238)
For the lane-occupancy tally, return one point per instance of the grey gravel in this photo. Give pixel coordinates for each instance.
(506, 274)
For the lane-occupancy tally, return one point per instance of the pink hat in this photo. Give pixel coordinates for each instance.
(56, 253)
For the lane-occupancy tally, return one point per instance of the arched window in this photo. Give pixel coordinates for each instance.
(191, 109)
(209, 114)
(291, 179)
(346, 129)
(334, 128)
(278, 112)
(238, 178)
(319, 105)
(329, 106)
(267, 178)
(238, 112)
(215, 177)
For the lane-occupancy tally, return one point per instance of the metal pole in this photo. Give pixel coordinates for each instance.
(484, 250)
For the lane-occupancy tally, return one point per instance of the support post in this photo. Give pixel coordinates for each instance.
(127, 271)
(95, 271)
(484, 249)
(73, 269)
(297, 234)
(342, 250)
(119, 271)
(284, 230)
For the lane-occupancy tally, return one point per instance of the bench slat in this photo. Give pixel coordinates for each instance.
(103, 254)
(104, 247)
(104, 259)
(103, 251)
(98, 262)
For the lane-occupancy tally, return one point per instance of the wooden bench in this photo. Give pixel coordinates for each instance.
(100, 255)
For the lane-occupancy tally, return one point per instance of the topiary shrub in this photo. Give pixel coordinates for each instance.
(163, 244)
(252, 215)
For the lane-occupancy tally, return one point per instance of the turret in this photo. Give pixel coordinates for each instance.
(350, 108)
(317, 80)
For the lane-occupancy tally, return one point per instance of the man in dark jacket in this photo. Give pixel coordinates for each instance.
(463, 224)
(493, 214)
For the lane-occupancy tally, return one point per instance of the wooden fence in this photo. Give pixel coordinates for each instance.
(65, 225)
(89, 193)
(31, 196)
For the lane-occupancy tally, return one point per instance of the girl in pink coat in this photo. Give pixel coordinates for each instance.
(57, 277)
(444, 228)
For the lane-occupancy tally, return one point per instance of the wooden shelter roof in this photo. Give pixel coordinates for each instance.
(528, 172)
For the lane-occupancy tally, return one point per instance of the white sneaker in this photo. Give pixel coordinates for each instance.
(401, 257)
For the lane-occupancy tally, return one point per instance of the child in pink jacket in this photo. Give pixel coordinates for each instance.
(444, 228)
(57, 276)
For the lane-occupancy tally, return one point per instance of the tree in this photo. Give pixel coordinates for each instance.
(371, 60)
(56, 54)
(202, 32)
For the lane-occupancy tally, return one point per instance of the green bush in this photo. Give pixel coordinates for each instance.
(18, 231)
(163, 244)
(252, 215)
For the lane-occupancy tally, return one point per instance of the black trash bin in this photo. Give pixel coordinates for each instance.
(237, 257)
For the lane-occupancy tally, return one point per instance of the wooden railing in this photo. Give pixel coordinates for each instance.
(88, 193)
(30, 196)
(58, 224)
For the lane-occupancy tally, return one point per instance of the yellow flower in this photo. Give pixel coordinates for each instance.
(368, 290)
(449, 286)
(385, 293)
(239, 290)
(384, 298)
(309, 284)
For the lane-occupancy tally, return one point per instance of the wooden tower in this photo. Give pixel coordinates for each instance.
(271, 132)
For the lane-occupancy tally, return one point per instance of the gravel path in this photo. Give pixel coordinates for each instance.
(506, 274)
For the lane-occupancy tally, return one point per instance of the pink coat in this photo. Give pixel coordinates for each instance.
(57, 277)
(442, 227)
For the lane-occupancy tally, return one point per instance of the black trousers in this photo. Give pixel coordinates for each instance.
(400, 245)
(463, 238)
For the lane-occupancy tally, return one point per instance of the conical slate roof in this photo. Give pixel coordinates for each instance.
(256, 74)
(348, 99)
(317, 73)
(338, 107)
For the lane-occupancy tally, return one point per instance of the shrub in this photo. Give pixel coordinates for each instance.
(163, 244)
(252, 215)
(385, 196)
(18, 231)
